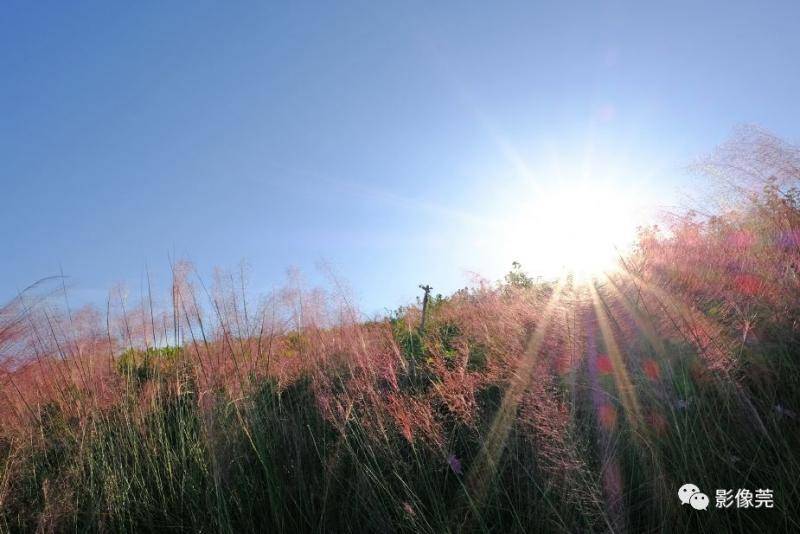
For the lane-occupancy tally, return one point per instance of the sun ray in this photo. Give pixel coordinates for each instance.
(702, 333)
(696, 325)
(642, 321)
(485, 465)
(600, 401)
(646, 327)
(627, 393)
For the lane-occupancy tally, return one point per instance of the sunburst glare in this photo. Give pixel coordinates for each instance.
(578, 228)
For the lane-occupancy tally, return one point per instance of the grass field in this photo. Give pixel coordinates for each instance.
(525, 405)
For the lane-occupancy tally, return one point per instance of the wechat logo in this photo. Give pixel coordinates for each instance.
(691, 495)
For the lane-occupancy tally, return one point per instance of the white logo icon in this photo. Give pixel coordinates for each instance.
(690, 494)
(686, 492)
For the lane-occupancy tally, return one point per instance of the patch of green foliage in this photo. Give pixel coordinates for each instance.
(518, 278)
(139, 365)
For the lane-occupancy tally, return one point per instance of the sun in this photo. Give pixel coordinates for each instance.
(562, 211)
(580, 229)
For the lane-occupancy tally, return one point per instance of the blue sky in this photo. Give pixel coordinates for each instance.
(384, 140)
